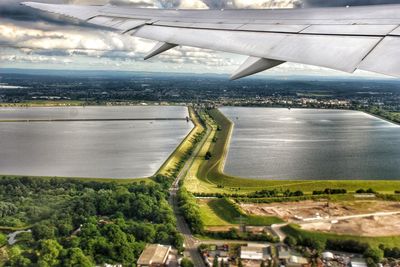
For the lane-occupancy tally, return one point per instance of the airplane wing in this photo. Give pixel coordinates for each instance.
(345, 39)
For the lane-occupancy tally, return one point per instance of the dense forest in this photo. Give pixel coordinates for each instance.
(76, 223)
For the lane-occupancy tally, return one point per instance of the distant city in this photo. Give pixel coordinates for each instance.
(113, 87)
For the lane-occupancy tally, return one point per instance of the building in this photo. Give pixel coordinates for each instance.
(358, 262)
(255, 252)
(154, 255)
(284, 253)
(327, 255)
(296, 261)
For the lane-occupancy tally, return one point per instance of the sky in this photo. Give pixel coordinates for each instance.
(34, 39)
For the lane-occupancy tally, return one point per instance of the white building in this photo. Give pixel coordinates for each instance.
(358, 262)
(255, 252)
(328, 255)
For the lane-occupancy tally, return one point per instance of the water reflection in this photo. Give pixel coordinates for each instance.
(312, 144)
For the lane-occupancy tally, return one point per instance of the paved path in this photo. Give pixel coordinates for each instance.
(191, 243)
(12, 237)
(276, 228)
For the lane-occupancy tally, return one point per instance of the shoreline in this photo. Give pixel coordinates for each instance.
(380, 117)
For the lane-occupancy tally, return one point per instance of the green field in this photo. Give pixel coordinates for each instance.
(207, 176)
(388, 241)
(223, 212)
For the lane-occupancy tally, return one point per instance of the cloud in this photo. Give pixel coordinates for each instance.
(266, 3)
(192, 4)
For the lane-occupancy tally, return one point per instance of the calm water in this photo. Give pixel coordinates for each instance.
(115, 149)
(271, 143)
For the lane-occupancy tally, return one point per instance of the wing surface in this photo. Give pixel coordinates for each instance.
(345, 39)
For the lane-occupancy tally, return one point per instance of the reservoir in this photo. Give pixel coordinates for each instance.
(307, 144)
(101, 149)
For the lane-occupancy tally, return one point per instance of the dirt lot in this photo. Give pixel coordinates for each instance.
(296, 211)
(336, 217)
(368, 226)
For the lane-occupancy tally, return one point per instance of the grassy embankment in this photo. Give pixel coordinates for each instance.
(391, 116)
(176, 160)
(207, 176)
(223, 212)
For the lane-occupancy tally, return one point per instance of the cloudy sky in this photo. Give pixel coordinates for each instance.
(32, 39)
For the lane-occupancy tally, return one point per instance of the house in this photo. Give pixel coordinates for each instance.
(154, 255)
(296, 261)
(259, 252)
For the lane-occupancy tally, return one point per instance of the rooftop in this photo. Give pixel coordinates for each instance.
(154, 254)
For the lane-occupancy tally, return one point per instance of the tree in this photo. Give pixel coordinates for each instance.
(215, 262)
(290, 241)
(240, 264)
(20, 261)
(375, 254)
(16, 257)
(75, 257)
(186, 263)
(43, 231)
(48, 253)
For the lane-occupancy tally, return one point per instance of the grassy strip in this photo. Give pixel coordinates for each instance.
(390, 116)
(176, 159)
(210, 177)
(223, 212)
(13, 229)
(297, 233)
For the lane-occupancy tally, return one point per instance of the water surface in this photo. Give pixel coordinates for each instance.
(104, 149)
(273, 143)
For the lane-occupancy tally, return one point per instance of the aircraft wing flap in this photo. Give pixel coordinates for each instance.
(396, 31)
(385, 58)
(264, 27)
(200, 25)
(361, 29)
(121, 24)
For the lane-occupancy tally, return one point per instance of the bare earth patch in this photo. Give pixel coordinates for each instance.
(359, 217)
(368, 226)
